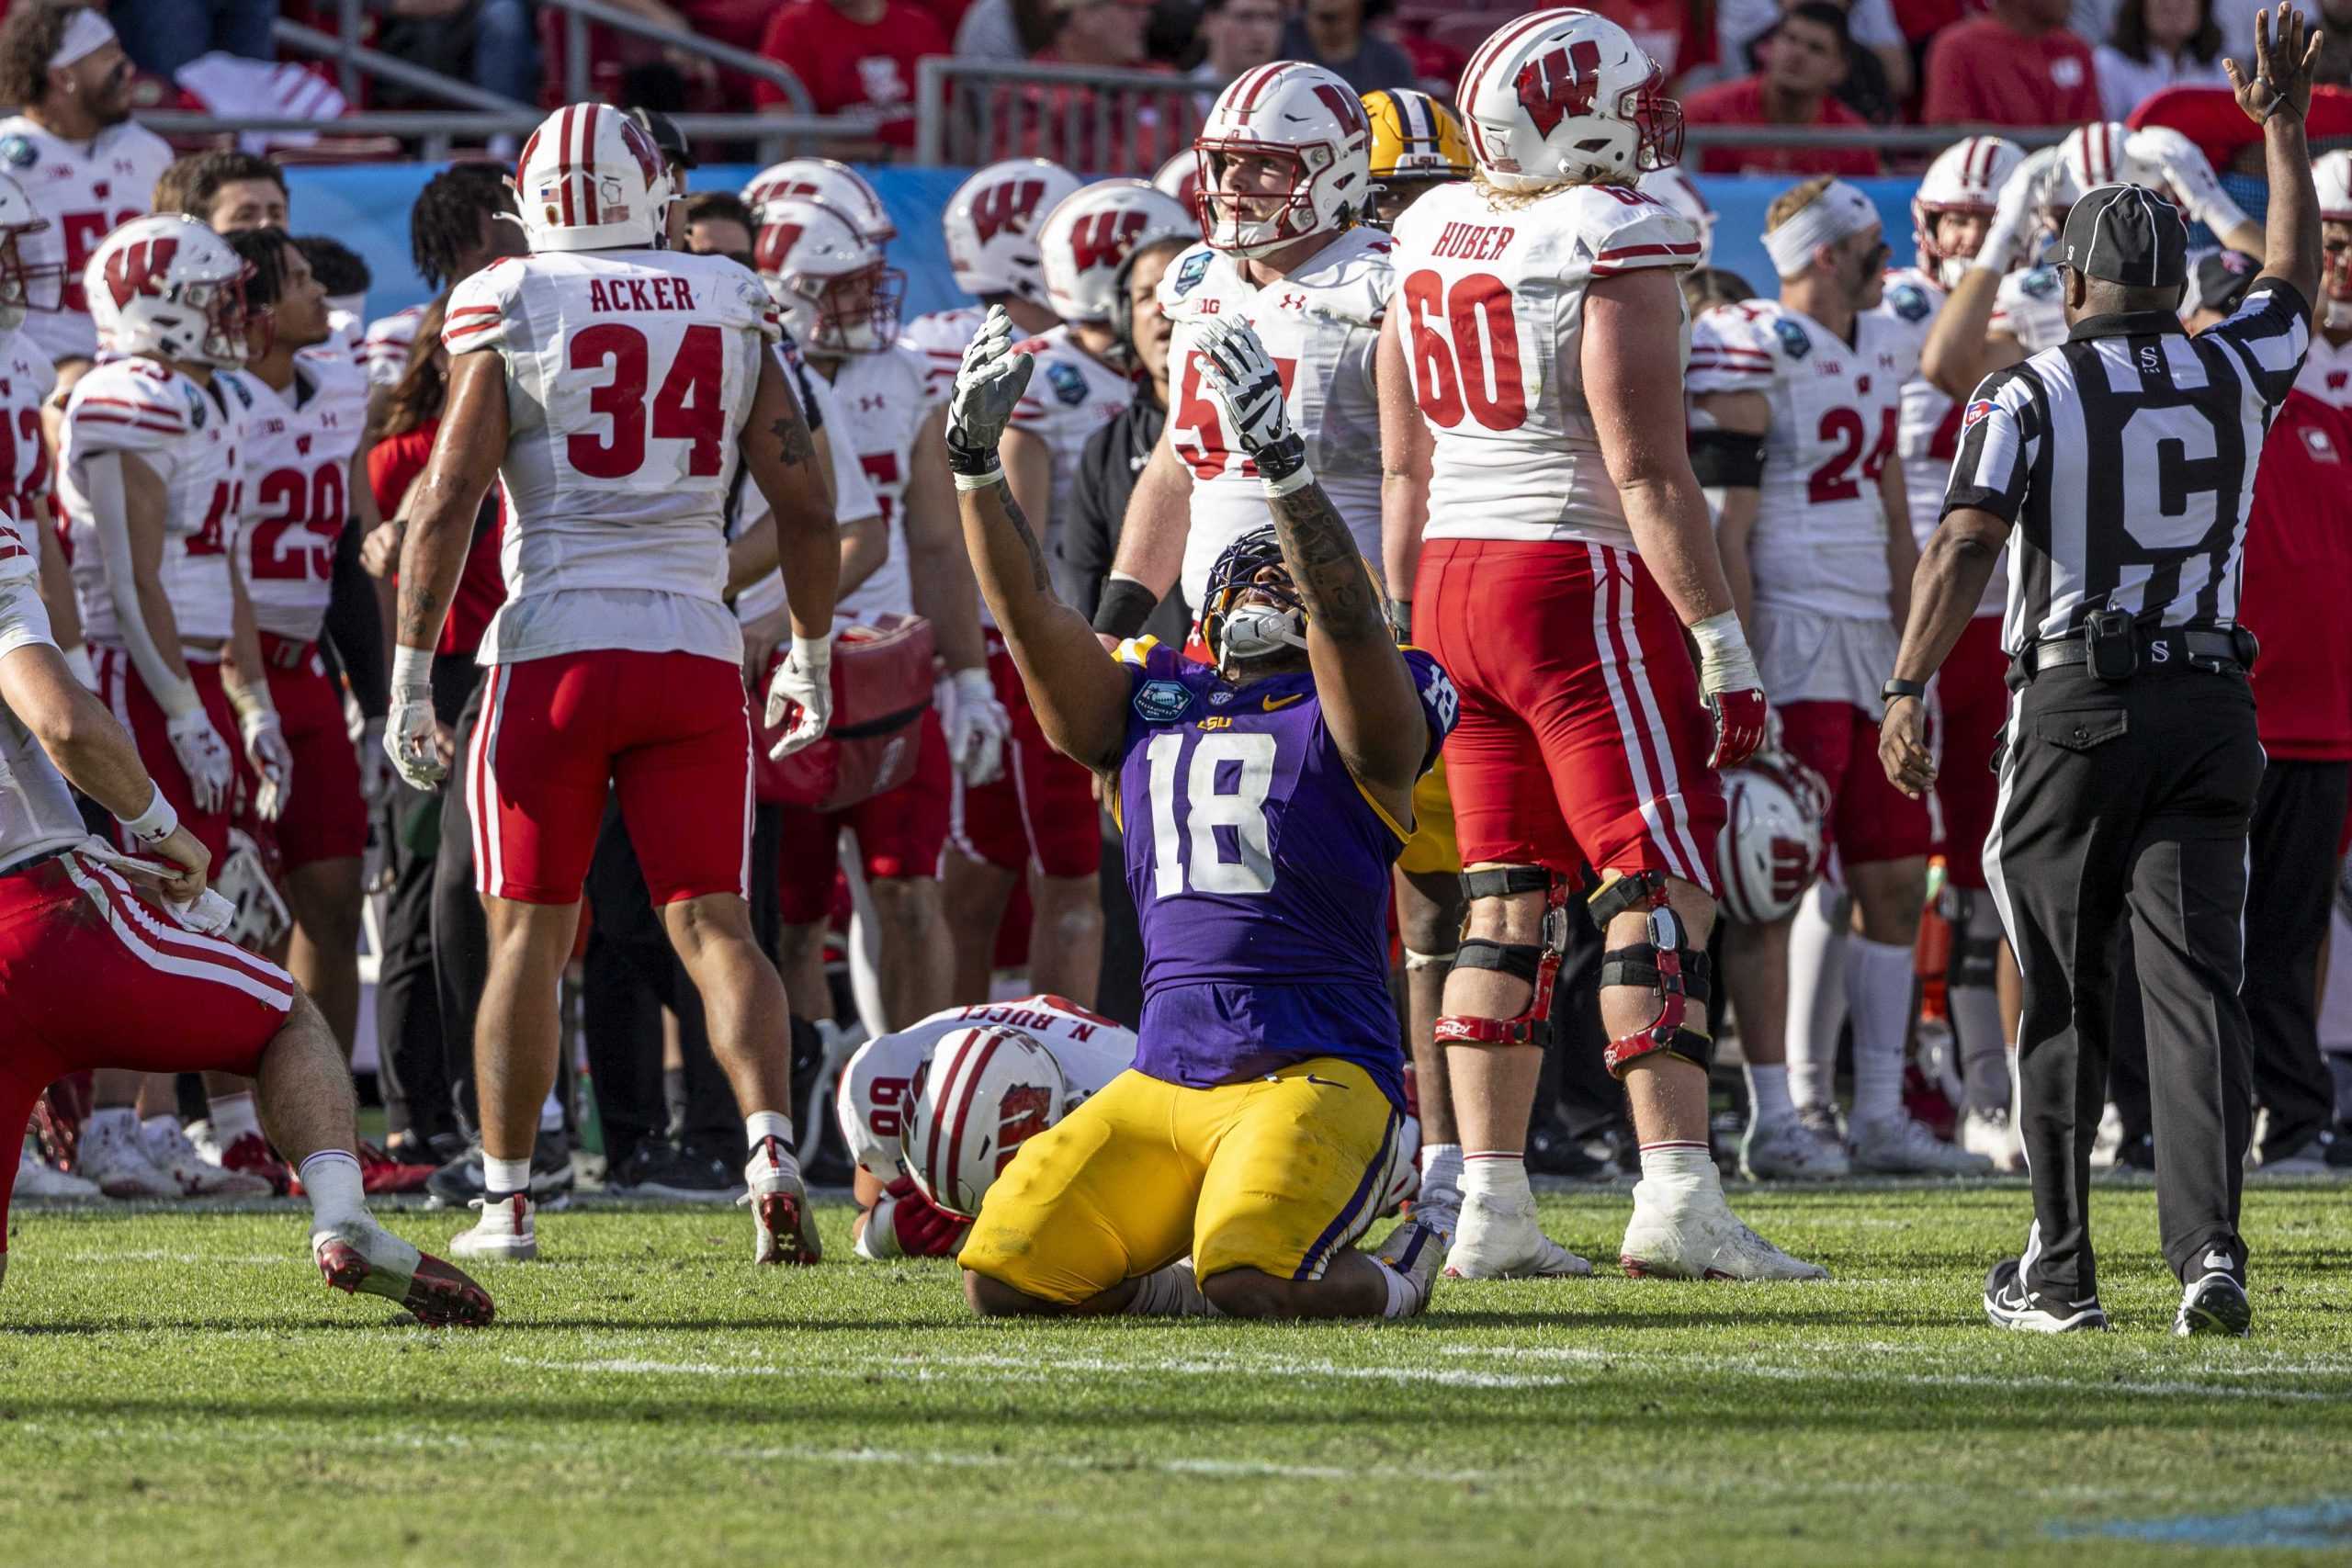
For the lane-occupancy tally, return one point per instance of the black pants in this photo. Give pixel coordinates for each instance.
(2129, 800)
(460, 929)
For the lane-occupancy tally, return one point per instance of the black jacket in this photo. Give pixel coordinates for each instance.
(1088, 539)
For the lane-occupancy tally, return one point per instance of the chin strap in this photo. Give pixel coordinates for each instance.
(1678, 974)
(1537, 963)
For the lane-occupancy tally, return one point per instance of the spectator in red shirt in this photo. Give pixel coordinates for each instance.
(2014, 65)
(854, 54)
(1803, 58)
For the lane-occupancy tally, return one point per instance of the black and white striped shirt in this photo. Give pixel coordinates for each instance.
(2125, 457)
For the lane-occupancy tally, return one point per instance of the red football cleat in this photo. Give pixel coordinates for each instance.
(381, 1173)
(365, 1256)
(251, 1152)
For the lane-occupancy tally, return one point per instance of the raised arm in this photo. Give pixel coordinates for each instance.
(1362, 681)
(1638, 417)
(1404, 451)
(2277, 98)
(1079, 695)
(1961, 349)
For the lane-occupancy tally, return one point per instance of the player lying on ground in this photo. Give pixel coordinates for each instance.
(1264, 799)
(98, 949)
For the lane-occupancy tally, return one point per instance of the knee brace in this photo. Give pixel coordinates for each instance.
(1538, 963)
(1678, 974)
(1974, 954)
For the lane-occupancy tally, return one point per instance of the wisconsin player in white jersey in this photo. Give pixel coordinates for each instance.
(895, 1219)
(1286, 163)
(992, 226)
(1536, 315)
(26, 379)
(2327, 369)
(1800, 401)
(72, 147)
(840, 299)
(612, 388)
(1042, 814)
(305, 481)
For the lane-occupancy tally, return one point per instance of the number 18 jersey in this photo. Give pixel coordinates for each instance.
(629, 375)
(1492, 299)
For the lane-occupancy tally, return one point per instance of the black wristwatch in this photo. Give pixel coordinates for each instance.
(1893, 689)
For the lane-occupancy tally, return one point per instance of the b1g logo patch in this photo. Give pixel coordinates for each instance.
(1162, 702)
(1189, 275)
(1794, 342)
(1910, 302)
(1067, 384)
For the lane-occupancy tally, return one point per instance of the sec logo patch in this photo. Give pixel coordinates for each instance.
(1162, 702)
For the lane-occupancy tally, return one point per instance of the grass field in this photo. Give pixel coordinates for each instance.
(178, 1389)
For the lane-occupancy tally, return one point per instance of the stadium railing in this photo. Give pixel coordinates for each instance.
(436, 133)
(971, 111)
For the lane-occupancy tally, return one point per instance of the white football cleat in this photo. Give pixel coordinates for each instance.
(507, 1231)
(1700, 1240)
(783, 1229)
(38, 1178)
(1994, 1136)
(1900, 1145)
(1789, 1150)
(118, 1162)
(173, 1151)
(1496, 1240)
(1417, 1250)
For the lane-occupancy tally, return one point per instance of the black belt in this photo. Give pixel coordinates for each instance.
(2217, 652)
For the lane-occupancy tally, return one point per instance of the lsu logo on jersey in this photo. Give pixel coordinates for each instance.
(1162, 702)
(1067, 384)
(1794, 342)
(1910, 302)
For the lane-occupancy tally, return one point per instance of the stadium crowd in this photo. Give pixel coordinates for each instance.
(939, 864)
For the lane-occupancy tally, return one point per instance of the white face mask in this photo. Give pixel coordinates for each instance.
(2336, 314)
(1254, 631)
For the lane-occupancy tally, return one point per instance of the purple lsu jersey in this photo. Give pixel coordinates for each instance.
(1261, 874)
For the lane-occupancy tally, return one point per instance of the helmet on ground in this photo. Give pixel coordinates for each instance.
(1966, 177)
(1297, 134)
(590, 179)
(173, 287)
(978, 1097)
(1773, 841)
(1566, 96)
(993, 223)
(837, 293)
(830, 181)
(1091, 233)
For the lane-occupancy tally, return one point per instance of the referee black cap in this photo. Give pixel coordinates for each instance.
(2127, 234)
(665, 136)
(2219, 280)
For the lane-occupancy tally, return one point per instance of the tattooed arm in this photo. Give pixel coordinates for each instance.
(782, 459)
(441, 508)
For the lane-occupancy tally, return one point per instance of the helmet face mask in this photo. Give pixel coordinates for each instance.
(838, 294)
(24, 287)
(856, 312)
(1285, 155)
(1253, 198)
(1251, 609)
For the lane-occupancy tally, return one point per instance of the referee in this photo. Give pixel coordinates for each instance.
(2124, 458)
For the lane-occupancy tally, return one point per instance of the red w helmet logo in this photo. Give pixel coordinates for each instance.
(1348, 109)
(1021, 1115)
(1005, 206)
(1555, 85)
(774, 243)
(139, 268)
(640, 145)
(1103, 239)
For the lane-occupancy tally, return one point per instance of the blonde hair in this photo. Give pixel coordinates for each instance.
(1795, 200)
(1501, 200)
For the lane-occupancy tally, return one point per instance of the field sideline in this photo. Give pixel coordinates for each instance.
(178, 1389)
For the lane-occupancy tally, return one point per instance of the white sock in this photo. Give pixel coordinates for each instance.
(1816, 996)
(1441, 1171)
(1171, 1292)
(1496, 1173)
(1877, 989)
(331, 1177)
(775, 1124)
(1768, 1104)
(121, 1119)
(1405, 1296)
(504, 1177)
(551, 1114)
(232, 1118)
(1681, 1168)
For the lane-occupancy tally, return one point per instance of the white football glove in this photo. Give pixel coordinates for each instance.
(413, 735)
(273, 763)
(2183, 165)
(204, 757)
(376, 775)
(1238, 372)
(978, 726)
(2017, 211)
(802, 690)
(989, 385)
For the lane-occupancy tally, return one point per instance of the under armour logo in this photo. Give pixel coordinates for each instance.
(1290, 302)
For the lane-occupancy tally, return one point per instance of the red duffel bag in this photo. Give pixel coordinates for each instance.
(882, 679)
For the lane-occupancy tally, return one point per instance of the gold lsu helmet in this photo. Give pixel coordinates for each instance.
(1414, 137)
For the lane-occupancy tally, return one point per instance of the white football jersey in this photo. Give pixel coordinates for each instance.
(1321, 325)
(384, 347)
(299, 447)
(1493, 303)
(27, 378)
(1819, 545)
(1072, 395)
(86, 190)
(1928, 435)
(628, 377)
(2030, 306)
(941, 337)
(2328, 371)
(36, 812)
(193, 437)
(870, 1100)
(881, 405)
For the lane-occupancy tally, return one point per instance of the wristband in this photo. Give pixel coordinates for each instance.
(1281, 465)
(1724, 661)
(1126, 604)
(1895, 691)
(988, 480)
(247, 703)
(155, 824)
(411, 670)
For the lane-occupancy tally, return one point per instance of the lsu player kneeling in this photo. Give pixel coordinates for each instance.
(1264, 799)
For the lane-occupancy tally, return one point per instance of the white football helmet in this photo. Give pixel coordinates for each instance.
(2333, 173)
(836, 185)
(590, 179)
(1773, 843)
(1307, 121)
(1181, 176)
(1967, 177)
(18, 278)
(979, 1096)
(993, 223)
(1671, 187)
(1088, 236)
(173, 287)
(1566, 96)
(837, 293)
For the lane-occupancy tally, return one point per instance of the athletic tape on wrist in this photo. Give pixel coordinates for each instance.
(988, 480)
